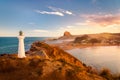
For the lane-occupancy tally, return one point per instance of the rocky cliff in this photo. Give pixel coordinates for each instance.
(67, 34)
(45, 62)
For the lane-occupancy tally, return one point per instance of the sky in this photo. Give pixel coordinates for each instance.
(51, 18)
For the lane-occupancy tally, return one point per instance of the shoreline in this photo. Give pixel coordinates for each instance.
(67, 46)
(56, 53)
(71, 45)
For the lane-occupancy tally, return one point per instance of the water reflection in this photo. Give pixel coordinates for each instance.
(99, 57)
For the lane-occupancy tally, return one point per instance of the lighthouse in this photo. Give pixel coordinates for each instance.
(21, 49)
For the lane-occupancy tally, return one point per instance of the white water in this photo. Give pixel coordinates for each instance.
(99, 57)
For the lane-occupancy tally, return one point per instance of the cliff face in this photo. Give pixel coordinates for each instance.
(55, 53)
(71, 69)
(58, 65)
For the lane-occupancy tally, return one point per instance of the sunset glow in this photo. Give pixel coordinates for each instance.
(53, 17)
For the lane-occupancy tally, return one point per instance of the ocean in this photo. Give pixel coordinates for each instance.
(9, 45)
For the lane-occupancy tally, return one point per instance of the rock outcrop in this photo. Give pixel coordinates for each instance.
(55, 53)
(67, 34)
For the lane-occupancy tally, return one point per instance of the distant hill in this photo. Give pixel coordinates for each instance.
(102, 38)
(106, 38)
(104, 35)
(67, 34)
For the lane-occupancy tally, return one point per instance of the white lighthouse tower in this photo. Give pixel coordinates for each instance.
(21, 49)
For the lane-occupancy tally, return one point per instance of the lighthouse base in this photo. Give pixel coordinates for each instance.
(21, 49)
(21, 56)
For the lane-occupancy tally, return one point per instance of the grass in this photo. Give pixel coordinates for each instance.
(108, 75)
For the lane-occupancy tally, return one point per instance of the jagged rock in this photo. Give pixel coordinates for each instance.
(67, 34)
(55, 53)
(42, 54)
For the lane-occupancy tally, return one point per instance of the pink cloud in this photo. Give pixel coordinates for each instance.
(102, 20)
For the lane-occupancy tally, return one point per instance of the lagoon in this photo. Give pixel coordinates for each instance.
(99, 57)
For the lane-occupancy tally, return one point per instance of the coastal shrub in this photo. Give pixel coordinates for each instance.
(63, 61)
(117, 41)
(55, 75)
(91, 70)
(94, 40)
(34, 62)
(8, 66)
(106, 74)
(70, 75)
(116, 77)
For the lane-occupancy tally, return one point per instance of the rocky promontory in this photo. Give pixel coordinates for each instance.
(45, 62)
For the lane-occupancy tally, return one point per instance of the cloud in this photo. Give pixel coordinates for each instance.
(55, 11)
(69, 27)
(51, 13)
(102, 20)
(81, 23)
(39, 30)
(60, 10)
